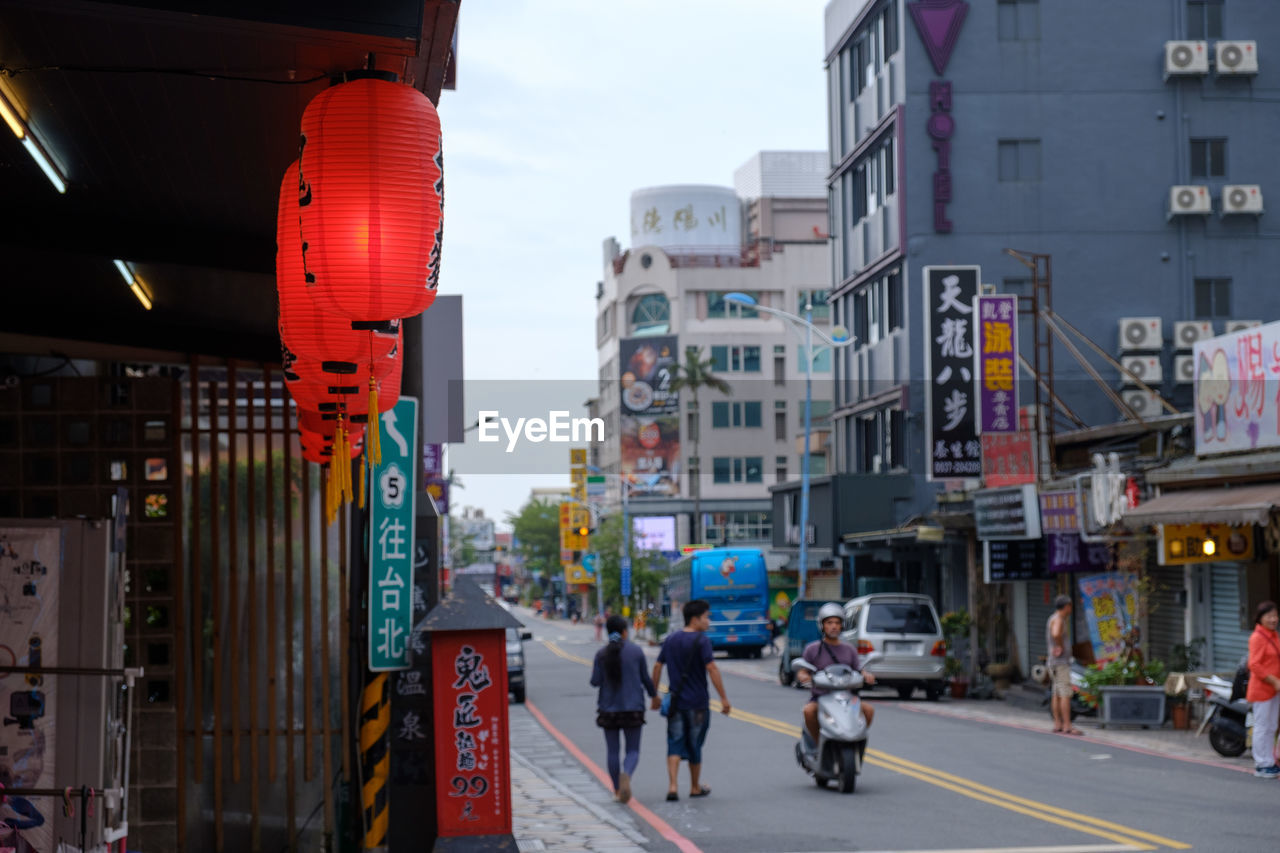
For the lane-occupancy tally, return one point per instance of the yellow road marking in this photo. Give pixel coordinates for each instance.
(960, 785)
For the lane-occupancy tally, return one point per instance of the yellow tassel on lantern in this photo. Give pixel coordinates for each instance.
(375, 446)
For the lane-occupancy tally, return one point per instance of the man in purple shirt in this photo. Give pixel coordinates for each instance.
(822, 654)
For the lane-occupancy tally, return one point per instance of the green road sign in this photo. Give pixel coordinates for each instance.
(391, 505)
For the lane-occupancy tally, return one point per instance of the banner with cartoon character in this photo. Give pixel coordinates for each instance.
(30, 571)
(1237, 390)
(649, 422)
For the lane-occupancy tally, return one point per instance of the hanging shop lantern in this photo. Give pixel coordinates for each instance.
(305, 327)
(371, 199)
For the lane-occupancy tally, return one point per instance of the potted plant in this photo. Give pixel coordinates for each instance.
(955, 628)
(955, 673)
(1127, 689)
(1179, 710)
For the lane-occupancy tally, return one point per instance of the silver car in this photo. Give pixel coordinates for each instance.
(898, 637)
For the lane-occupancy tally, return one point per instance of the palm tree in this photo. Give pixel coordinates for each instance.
(693, 374)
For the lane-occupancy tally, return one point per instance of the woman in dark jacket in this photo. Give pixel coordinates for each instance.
(621, 673)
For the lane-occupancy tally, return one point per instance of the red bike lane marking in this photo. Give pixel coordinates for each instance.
(664, 829)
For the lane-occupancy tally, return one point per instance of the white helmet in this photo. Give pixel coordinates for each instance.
(828, 610)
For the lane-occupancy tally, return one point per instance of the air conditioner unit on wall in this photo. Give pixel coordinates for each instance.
(1184, 369)
(1235, 57)
(1187, 199)
(1141, 333)
(1145, 403)
(1144, 367)
(1239, 325)
(1242, 198)
(1188, 332)
(1185, 57)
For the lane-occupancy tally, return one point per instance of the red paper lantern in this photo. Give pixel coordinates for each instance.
(327, 386)
(305, 328)
(371, 199)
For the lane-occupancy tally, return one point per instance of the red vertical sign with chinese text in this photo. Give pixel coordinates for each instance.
(473, 764)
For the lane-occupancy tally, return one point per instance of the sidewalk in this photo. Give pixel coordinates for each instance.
(556, 803)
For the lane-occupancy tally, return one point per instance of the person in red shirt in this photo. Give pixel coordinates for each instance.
(1264, 681)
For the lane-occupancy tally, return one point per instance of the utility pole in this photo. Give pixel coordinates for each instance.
(1041, 299)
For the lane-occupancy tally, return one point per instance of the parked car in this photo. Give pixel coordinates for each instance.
(515, 661)
(802, 629)
(898, 637)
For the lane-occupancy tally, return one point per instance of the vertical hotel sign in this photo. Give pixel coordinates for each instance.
(938, 24)
(996, 363)
(391, 520)
(950, 419)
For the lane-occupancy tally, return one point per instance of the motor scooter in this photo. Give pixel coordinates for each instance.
(842, 728)
(1230, 717)
(1079, 707)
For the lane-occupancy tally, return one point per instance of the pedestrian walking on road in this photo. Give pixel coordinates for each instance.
(1057, 632)
(599, 623)
(690, 661)
(619, 671)
(1264, 680)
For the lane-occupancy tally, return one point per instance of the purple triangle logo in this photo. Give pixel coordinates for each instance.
(938, 23)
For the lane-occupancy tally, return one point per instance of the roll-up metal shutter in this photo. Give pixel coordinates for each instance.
(1040, 596)
(1230, 640)
(1166, 619)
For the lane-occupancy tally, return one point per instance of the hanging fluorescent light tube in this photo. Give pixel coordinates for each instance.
(29, 142)
(11, 118)
(139, 289)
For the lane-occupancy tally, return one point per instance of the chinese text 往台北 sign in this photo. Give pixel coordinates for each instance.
(951, 424)
(391, 519)
(473, 795)
(996, 363)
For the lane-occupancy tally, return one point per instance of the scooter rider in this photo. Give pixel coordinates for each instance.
(825, 652)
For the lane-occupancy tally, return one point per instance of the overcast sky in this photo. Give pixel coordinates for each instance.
(562, 108)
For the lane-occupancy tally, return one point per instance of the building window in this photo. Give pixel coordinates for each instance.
(821, 358)
(779, 420)
(893, 286)
(738, 413)
(1019, 159)
(1213, 298)
(718, 308)
(873, 180)
(1204, 19)
(1018, 20)
(735, 359)
(737, 469)
(651, 316)
(724, 527)
(869, 444)
(1208, 158)
(816, 298)
(819, 413)
(817, 465)
(780, 469)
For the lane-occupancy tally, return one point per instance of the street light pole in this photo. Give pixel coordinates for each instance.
(804, 460)
(839, 337)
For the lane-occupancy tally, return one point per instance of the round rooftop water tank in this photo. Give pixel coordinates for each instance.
(687, 219)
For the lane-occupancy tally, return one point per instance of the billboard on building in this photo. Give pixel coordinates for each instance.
(649, 415)
(1236, 378)
(950, 419)
(996, 363)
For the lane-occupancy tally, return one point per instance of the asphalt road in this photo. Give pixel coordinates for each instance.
(931, 782)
